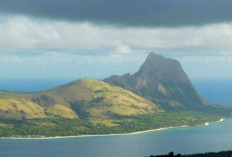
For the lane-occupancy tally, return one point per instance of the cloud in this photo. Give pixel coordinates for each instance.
(27, 36)
(104, 37)
(59, 65)
(150, 13)
(31, 47)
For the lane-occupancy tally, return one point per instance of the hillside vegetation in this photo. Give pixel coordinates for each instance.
(58, 126)
(85, 99)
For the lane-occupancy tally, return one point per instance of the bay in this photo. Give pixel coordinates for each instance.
(214, 137)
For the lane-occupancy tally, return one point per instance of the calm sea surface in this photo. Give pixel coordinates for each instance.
(216, 91)
(215, 137)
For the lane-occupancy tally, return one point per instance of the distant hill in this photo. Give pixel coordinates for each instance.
(164, 82)
(84, 99)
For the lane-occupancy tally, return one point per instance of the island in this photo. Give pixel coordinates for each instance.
(159, 95)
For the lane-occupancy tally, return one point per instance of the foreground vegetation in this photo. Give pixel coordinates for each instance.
(219, 154)
(58, 126)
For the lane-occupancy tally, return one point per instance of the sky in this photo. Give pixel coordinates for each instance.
(96, 39)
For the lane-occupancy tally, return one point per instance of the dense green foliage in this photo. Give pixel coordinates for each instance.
(219, 154)
(125, 124)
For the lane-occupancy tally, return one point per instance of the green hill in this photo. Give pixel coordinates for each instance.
(85, 99)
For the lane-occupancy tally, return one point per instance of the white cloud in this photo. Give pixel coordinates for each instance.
(123, 49)
(43, 48)
(21, 32)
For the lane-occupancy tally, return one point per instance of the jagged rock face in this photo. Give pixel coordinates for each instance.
(160, 68)
(163, 81)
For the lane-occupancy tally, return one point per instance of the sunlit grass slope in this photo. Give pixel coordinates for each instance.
(85, 99)
(61, 110)
(20, 108)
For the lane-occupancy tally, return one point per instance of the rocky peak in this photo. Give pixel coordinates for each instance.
(163, 81)
(162, 69)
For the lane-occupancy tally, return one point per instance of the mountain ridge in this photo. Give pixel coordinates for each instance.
(163, 81)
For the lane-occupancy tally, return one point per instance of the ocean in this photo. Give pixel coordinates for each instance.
(211, 138)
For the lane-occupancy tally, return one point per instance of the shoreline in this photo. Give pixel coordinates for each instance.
(105, 135)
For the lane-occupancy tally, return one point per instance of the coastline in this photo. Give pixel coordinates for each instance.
(220, 120)
(105, 135)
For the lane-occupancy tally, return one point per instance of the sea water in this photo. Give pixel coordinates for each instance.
(214, 137)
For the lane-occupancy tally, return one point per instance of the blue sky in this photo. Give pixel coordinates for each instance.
(74, 39)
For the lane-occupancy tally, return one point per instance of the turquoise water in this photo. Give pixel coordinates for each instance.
(215, 137)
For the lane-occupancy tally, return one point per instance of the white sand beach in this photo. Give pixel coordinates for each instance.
(100, 135)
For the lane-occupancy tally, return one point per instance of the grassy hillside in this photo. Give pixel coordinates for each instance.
(85, 99)
(100, 100)
(20, 108)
